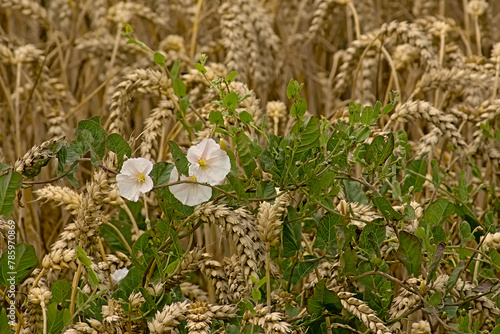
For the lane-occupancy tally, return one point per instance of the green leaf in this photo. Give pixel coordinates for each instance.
(379, 150)
(326, 237)
(256, 295)
(179, 87)
(174, 71)
(455, 274)
(231, 102)
(98, 134)
(62, 155)
(437, 178)
(309, 136)
(464, 323)
(216, 118)
(323, 300)
(141, 250)
(181, 162)
(292, 234)
(410, 252)
(132, 281)
(10, 182)
(82, 256)
(243, 147)
(61, 293)
(296, 273)
(466, 232)
(159, 59)
(184, 103)
(230, 77)
(245, 117)
(354, 113)
(161, 173)
(56, 319)
(4, 321)
(386, 209)
(437, 213)
(435, 299)
(462, 191)
(488, 220)
(372, 238)
(238, 185)
(495, 259)
(290, 89)
(17, 263)
(496, 330)
(387, 109)
(117, 144)
(412, 180)
(435, 262)
(362, 133)
(368, 115)
(200, 68)
(299, 108)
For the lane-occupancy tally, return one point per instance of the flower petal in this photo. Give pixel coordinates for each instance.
(128, 179)
(147, 185)
(127, 185)
(138, 166)
(217, 163)
(189, 193)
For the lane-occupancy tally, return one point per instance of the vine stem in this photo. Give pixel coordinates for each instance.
(195, 28)
(268, 273)
(44, 315)
(74, 288)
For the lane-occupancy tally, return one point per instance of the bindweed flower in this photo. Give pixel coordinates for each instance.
(189, 193)
(209, 163)
(134, 178)
(118, 275)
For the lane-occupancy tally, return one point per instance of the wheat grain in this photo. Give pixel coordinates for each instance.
(409, 33)
(281, 298)
(363, 312)
(173, 48)
(276, 113)
(144, 81)
(271, 322)
(240, 226)
(412, 110)
(199, 316)
(193, 292)
(153, 128)
(249, 40)
(38, 156)
(421, 327)
(319, 17)
(27, 8)
(62, 196)
(190, 263)
(169, 318)
(269, 219)
(423, 8)
(37, 302)
(404, 302)
(124, 12)
(59, 12)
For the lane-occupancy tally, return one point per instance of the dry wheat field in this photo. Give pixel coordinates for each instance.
(249, 166)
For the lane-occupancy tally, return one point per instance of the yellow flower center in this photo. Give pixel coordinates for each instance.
(192, 178)
(203, 163)
(141, 178)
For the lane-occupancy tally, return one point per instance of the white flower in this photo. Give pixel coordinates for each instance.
(134, 178)
(189, 193)
(209, 163)
(118, 275)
